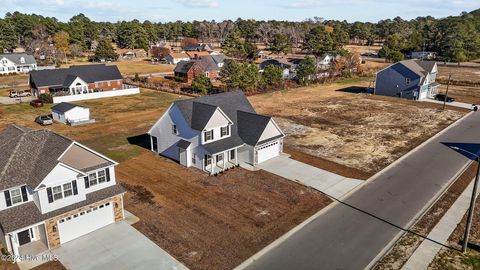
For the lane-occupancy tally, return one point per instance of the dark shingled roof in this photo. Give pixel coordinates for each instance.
(183, 144)
(35, 151)
(235, 105)
(251, 126)
(201, 114)
(64, 107)
(26, 214)
(223, 144)
(184, 66)
(88, 73)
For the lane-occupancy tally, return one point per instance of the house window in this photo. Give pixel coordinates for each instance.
(194, 158)
(208, 135)
(22, 60)
(93, 179)
(219, 157)
(16, 196)
(407, 81)
(11, 68)
(232, 154)
(154, 144)
(108, 83)
(174, 129)
(67, 190)
(101, 177)
(208, 160)
(57, 193)
(224, 131)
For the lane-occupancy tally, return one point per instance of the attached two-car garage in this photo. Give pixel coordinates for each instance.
(85, 222)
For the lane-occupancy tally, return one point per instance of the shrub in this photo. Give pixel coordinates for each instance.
(46, 98)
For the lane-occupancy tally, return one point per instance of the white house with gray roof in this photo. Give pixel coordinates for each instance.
(411, 79)
(216, 132)
(52, 190)
(13, 63)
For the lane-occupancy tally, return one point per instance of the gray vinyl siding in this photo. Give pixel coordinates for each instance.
(392, 82)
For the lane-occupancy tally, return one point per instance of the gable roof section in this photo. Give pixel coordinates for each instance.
(247, 126)
(251, 126)
(64, 107)
(34, 155)
(179, 55)
(88, 73)
(184, 66)
(28, 156)
(15, 58)
(201, 114)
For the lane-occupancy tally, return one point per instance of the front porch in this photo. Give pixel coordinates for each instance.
(221, 162)
(28, 242)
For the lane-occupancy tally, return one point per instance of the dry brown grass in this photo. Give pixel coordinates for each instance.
(355, 130)
(129, 67)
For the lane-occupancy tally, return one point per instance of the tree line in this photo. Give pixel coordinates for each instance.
(454, 38)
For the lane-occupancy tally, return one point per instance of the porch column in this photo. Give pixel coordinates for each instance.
(224, 157)
(213, 163)
(236, 155)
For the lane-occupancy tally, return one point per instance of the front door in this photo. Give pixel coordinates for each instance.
(24, 237)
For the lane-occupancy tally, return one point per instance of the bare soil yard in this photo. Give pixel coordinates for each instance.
(355, 130)
(210, 222)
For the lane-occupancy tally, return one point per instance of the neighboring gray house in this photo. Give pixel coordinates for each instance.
(288, 66)
(411, 79)
(216, 132)
(16, 63)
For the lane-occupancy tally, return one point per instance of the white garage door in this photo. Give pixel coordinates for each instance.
(87, 221)
(268, 151)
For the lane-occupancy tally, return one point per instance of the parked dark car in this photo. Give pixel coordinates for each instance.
(36, 103)
(441, 97)
(44, 120)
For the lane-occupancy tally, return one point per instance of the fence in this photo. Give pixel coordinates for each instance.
(104, 94)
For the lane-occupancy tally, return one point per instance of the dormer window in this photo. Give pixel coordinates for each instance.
(16, 196)
(208, 135)
(22, 60)
(407, 81)
(224, 131)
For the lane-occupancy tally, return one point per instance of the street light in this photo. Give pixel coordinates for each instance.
(472, 200)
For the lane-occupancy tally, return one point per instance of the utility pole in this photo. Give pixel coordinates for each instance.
(446, 94)
(470, 210)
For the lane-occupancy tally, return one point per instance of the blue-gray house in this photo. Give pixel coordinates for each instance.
(411, 79)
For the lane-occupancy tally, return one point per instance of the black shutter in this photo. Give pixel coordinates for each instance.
(107, 174)
(74, 186)
(211, 131)
(24, 193)
(87, 184)
(7, 198)
(50, 195)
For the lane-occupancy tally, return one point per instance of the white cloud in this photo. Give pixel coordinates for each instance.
(200, 3)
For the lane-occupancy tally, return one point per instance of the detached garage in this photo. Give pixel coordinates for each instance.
(71, 114)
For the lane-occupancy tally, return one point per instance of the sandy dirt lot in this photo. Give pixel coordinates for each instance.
(356, 130)
(210, 222)
(459, 73)
(205, 222)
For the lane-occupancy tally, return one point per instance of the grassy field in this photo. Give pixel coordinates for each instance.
(359, 131)
(206, 222)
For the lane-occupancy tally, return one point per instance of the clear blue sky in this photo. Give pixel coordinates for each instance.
(188, 10)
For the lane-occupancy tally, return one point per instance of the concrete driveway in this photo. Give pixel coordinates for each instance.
(454, 104)
(329, 183)
(116, 246)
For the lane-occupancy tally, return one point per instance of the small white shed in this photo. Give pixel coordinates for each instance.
(72, 114)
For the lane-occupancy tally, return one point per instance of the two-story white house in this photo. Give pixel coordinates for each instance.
(216, 132)
(17, 63)
(53, 190)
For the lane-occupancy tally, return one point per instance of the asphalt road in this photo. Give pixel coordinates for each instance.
(351, 234)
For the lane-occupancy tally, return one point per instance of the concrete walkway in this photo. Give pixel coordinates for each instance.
(329, 183)
(425, 253)
(454, 104)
